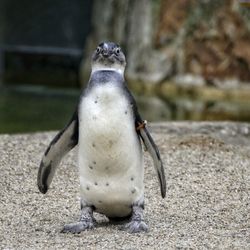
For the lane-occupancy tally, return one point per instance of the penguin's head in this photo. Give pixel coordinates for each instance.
(108, 56)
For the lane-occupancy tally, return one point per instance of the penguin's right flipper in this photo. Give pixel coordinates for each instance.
(63, 142)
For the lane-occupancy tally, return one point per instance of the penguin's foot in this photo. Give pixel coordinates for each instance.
(78, 227)
(137, 223)
(86, 222)
(136, 226)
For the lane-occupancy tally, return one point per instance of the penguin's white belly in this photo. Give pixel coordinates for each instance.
(110, 157)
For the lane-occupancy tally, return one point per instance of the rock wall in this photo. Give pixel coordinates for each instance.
(211, 38)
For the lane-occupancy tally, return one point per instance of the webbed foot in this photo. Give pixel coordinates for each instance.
(86, 222)
(136, 223)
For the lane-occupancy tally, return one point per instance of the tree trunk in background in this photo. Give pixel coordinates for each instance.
(139, 35)
(129, 23)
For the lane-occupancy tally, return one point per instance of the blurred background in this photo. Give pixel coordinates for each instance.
(186, 59)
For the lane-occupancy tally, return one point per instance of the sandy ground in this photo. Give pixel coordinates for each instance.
(207, 204)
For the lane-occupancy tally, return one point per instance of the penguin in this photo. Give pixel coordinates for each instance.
(109, 132)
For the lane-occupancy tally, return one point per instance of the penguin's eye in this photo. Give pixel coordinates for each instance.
(98, 50)
(117, 51)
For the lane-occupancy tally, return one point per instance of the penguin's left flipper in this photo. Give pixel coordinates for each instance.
(63, 142)
(154, 152)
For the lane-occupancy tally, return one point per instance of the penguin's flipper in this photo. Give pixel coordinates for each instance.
(149, 143)
(154, 152)
(63, 142)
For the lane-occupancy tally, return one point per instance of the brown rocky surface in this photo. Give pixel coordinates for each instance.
(214, 37)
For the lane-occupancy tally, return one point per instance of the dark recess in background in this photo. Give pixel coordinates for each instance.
(42, 41)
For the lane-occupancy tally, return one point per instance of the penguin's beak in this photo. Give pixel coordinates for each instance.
(105, 53)
(105, 50)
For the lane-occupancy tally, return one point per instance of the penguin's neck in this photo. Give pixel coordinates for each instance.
(106, 76)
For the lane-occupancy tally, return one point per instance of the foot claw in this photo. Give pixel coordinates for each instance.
(136, 227)
(77, 227)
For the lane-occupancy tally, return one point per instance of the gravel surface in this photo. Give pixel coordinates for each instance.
(207, 203)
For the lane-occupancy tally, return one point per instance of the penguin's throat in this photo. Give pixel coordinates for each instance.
(102, 67)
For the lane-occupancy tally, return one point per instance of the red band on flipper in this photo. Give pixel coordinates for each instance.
(141, 125)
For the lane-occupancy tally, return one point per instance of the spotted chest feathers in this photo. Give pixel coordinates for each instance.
(110, 157)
